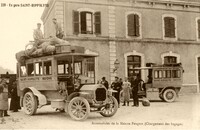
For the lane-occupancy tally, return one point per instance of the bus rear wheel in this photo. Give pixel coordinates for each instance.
(169, 95)
(30, 103)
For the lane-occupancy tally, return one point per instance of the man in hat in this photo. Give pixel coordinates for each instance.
(135, 81)
(58, 28)
(4, 97)
(104, 82)
(38, 35)
(116, 86)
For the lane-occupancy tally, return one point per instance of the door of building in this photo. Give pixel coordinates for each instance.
(132, 62)
(199, 71)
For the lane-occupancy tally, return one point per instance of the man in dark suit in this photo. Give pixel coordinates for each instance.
(135, 80)
(105, 82)
(116, 86)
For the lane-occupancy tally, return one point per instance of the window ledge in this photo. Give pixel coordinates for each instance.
(86, 35)
(170, 39)
(133, 37)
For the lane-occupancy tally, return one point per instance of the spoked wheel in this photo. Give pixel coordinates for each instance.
(110, 108)
(79, 108)
(169, 95)
(30, 103)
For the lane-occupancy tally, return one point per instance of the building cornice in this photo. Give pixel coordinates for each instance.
(185, 6)
(145, 40)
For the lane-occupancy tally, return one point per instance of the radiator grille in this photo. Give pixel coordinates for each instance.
(100, 94)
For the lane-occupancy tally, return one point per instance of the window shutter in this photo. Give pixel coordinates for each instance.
(198, 28)
(131, 25)
(83, 23)
(137, 25)
(172, 27)
(76, 22)
(97, 22)
(167, 26)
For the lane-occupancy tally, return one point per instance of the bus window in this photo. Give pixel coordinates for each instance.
(78, 67)
(89, 70)
(30, 69)
(23, 71)
(47, 68)
(61, 67)
(158, 74)
(66, 68)
(167, 74)
(176, 74)
(38, 68)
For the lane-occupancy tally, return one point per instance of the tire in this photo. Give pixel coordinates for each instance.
(110, 108)
(79, 108)
(30, 103)
(169, 95)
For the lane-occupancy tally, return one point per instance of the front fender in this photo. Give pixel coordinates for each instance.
(41, 98)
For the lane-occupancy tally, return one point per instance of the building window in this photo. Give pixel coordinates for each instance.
(198, 28)
(133, 61)
(133, 25)
(169, 27)
(86, 22)
(170, 60)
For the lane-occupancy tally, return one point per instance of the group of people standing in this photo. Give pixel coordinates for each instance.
(127, 86)
(7, 88)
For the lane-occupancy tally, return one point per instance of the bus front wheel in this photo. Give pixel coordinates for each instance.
(29, 103)
(169, 95)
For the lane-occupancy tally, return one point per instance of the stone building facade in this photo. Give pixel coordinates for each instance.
(135, 32)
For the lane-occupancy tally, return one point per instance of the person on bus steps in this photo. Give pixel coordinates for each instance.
(135, 81)
(116, 85)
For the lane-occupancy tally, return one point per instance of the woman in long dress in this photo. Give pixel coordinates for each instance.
(126, 86)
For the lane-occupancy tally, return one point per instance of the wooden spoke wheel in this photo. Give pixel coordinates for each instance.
(169, 95)
(30, 103)
(79, 108)
(110, 108)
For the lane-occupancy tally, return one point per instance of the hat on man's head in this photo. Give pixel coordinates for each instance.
(54, 19)
(104, 78)
(116, 77)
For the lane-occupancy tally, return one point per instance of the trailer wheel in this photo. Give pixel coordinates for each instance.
(110, 108)
(169, 95)
(30, 103)
(79, 108)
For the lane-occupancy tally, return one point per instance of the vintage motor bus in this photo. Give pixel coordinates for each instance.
(163, 82)
(66, 81)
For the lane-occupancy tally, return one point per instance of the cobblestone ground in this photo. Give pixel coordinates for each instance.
(182, 114)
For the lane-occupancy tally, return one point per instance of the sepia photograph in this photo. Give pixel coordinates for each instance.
(100, 64)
